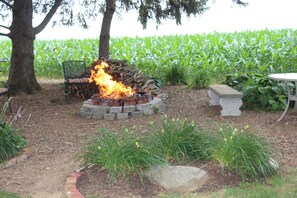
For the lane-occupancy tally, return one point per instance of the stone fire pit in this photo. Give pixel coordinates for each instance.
(107, 111)
(123, 92)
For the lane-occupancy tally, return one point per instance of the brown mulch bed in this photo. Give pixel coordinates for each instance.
(56, 133)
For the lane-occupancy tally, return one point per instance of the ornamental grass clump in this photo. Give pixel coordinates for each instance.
(121, 154)
(11, 143)
(179, 139)
(249, 155)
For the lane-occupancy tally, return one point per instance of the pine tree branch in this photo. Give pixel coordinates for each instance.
(48, 17)
(2, 34)
(7, 4)
(240, 3)
(4, 27)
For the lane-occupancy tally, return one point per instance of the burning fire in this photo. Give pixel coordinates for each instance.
(107, 86)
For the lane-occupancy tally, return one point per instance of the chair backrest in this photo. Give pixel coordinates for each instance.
(74, 69)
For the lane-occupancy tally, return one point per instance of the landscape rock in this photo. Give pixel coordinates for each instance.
(180, 179)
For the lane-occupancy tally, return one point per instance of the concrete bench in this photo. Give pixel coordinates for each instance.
(227, 97)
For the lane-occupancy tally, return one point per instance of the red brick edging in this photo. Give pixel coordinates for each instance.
(70, 186)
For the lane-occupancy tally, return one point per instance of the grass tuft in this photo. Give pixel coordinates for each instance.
(177, 139)
(11, 143)
(249, 155)
(121, 154)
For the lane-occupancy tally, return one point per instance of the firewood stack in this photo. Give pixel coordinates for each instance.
(130, 76)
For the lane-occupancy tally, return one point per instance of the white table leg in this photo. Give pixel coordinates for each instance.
(288, 103)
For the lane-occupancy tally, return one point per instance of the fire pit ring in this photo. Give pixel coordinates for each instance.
(107, 111)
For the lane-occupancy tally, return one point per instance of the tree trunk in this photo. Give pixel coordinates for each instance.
(21, 73)
(105, 29)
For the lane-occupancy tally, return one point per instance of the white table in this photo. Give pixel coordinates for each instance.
(287, 77)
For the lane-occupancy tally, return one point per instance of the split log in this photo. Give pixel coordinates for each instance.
(130, 76)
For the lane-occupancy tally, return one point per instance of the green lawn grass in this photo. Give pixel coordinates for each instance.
(282, 186)
(4, 194)
(275, 187)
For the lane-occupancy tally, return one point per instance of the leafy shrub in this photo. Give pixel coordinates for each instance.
(245, 153)
(11, 143)
(177, 139)
(259, 92)
(122, 155)
(199, 79)
(175, 75)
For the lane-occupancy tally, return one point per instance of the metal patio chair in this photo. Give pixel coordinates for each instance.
(76, 79)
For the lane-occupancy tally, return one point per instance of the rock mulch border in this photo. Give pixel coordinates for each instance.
(70, 187)
(14, 161)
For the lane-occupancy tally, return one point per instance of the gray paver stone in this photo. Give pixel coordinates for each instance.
(89, 101)
(130, 108)
(89, 114)
(100, 109)
(109, 116)
(122, 116)
(82, 113)
(156, 102)
(148, 111)
(142, 107)
(115, 109)
(85, 108)
(137, 113)
(98, 116)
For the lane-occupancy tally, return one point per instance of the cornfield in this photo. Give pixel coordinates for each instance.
(217, 54)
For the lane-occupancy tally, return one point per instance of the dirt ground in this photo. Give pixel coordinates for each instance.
(56, 133)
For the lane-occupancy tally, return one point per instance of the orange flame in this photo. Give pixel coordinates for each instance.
(107, 86)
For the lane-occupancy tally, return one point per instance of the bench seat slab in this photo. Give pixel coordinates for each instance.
(224, 91)
(230, 105)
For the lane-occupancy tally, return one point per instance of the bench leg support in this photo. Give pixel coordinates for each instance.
(214, 99)
(230, 106)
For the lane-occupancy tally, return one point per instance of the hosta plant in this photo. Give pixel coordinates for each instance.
(260, 92)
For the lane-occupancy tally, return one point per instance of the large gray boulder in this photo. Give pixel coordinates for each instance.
(180, 179)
